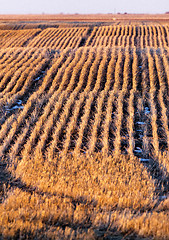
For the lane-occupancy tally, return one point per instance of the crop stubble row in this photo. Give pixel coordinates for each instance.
(55, 38)
(84, 101)
(141, 36)
(69, 93)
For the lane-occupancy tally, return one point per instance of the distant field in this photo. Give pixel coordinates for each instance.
(86, 17)
(84, 127)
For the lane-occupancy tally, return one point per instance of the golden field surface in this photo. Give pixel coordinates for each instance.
(84, 128)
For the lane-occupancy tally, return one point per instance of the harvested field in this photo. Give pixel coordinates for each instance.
(59, 38)
(84, 132)
(140, 36)
(16, 38)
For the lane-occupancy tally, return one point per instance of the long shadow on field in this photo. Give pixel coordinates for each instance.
(162, 181)
(5, 178)
(50, 228)
(60, 228)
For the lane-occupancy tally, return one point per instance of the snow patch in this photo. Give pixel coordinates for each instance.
(163, 197)
(37, 79)
(141, 123)
(16, 107)
(138, 150)
(145, 160)
(147, 110)
(139, 130)
(19, 102)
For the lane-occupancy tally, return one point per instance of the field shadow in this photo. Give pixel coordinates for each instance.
(5, 179)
